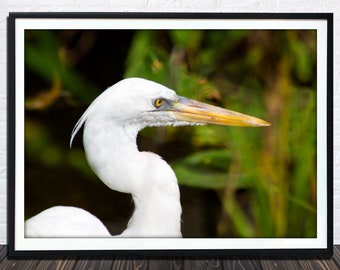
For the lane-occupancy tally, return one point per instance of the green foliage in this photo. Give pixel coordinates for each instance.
(267, 74)
(205, 169)
(41, 148)
(44, 57)
(275, 165)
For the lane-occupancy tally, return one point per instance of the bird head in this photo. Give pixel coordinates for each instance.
(139, 102)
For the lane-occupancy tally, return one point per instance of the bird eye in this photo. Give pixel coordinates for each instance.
(158, 102)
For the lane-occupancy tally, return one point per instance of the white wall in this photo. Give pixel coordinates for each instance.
(7, 6)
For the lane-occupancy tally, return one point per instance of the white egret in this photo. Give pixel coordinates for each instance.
(111, 124)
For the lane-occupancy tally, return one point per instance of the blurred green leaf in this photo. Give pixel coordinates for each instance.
(303, 58)
(188, 39)
(241, 222)
(207, 169)
(42, 56)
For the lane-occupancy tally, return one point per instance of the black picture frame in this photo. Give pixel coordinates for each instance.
(19, 246)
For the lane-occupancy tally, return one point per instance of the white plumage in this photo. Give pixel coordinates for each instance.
(111, 124)
(65, 221)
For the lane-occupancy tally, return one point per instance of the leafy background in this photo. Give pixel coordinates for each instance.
(235, 181)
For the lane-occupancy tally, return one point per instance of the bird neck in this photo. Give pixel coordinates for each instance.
(111, 153)
(114, 156)
(157, 213)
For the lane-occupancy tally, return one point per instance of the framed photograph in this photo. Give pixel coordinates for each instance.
(164, 134)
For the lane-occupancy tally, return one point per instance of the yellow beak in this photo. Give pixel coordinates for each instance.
(193, 111)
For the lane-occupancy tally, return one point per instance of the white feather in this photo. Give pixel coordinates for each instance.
(56, 221)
